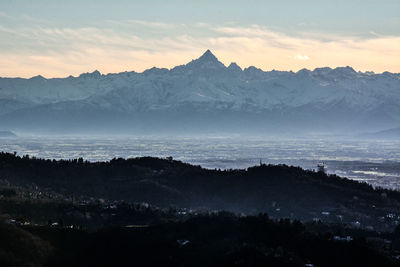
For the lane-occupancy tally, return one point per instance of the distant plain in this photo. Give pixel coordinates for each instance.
(372, 161)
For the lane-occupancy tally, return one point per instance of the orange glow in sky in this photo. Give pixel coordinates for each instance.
(42, 38)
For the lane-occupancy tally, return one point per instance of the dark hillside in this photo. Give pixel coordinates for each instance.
(279, 190)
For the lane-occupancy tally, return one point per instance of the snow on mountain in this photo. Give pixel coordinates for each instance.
(39, 90)
(206, 85)
(206, 80)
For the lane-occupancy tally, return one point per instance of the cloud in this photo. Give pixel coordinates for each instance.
(149, 24)
(262, 47)
(302, 57)
(114, 46)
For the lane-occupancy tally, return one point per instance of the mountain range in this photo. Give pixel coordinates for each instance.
(204, 96)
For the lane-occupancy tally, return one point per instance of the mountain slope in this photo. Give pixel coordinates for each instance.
(206, 95)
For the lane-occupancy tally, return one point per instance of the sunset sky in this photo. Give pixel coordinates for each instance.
(62, 38)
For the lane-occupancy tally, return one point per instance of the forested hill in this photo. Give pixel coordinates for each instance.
(279, 190)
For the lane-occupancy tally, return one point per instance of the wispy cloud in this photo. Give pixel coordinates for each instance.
(117, 46)
(302, 57)
(150, 24)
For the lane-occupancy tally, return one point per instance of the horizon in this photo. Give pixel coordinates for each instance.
(58, 39)
(226, 65)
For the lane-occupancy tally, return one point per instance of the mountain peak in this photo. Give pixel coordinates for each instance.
(208, 56)
(38, 77)
(234, 67)
(346, 69)
(94, 74)
(207, 60)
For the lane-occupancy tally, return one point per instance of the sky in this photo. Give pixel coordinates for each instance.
(62, 38)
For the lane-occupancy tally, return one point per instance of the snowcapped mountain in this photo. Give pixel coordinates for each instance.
(204, 95)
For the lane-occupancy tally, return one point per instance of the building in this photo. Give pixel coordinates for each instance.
(321, 167)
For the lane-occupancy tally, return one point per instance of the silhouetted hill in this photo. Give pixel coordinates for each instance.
(279, 190)
(386, 134)
(221, 239)
(19, 248)
(7, 134)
